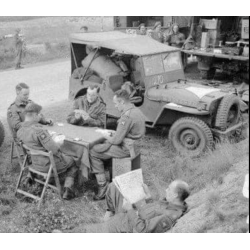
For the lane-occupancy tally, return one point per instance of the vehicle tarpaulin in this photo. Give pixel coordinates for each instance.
(122, 43)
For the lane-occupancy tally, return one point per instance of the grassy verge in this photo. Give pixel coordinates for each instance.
(206, 175)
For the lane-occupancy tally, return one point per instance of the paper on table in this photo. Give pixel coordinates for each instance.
(105, 132)
(131, 186)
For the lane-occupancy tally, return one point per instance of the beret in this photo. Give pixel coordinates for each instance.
(33, 108)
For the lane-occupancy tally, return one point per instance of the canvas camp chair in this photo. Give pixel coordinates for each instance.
(52, 172)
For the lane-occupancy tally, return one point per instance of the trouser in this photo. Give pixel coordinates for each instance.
(114, 199)
(117, 224)
(97, 159)
(19, 57)
(71, 173)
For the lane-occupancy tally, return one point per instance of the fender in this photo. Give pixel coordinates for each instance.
(180, 109)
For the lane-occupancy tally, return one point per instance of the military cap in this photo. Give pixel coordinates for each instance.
(142, 24)
(156, 25)
(33, 108)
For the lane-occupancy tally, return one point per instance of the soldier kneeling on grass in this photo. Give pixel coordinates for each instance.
(34, 136)
(146, 216)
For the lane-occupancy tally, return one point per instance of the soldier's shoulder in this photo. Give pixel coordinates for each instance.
(12, 106)
(38, 128)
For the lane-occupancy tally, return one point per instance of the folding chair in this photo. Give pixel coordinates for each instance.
(52, 172)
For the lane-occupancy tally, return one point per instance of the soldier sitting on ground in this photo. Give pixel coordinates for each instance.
(34, 136)
(89, 110)
(146, 216)
(15, 113)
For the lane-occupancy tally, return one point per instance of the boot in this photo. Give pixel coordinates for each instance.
(68, 192)
(102, 187)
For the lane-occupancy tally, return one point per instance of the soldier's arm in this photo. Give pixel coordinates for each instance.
(46, 140)
(44, 121)
(143, 225)
(14, 118)
(121, 131)
(100, 120)
(71, 117)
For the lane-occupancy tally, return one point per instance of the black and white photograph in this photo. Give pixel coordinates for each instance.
(124, 124)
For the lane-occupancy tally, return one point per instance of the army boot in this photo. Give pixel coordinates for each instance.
(68, 191)
(102, 187)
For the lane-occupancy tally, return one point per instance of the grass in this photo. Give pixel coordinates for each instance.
(49, 34)
(209, 208)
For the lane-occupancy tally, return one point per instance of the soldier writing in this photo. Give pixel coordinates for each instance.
(131, 125)
(89, 110)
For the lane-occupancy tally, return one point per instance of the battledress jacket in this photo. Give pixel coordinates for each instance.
(15, 116)
(156, 217)
(36, 137)
(96, 111)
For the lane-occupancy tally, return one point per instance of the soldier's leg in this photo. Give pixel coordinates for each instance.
(97, 164)
(71, 174)
(114, 202)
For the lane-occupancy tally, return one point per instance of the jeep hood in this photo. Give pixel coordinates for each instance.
(186, 95)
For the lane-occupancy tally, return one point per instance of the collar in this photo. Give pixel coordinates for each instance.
(20, 103)
(129, 107)
(29, 123)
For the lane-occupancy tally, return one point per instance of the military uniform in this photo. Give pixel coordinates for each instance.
(152, 217)
(19, 50)
(96, 111)
(176, 40)
(131, 125)
(15, 116)
(158, 36)
(34, 136)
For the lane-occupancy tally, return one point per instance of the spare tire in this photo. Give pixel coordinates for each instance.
(2, 134)
(228, 113)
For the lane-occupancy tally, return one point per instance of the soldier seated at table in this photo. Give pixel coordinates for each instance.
(131, 125)
(15, 113)
(146, 216)
(34, 136)
(89, 110)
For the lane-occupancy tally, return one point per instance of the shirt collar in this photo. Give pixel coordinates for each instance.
(20, 103)
(130, 106)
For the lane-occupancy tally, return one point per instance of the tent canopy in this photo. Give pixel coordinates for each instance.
(122, 43)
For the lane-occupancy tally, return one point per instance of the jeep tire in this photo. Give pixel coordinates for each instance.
(2, 134)
(190, 135)
(228, 113)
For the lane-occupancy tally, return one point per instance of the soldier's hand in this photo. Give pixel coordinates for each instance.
(85, 116)
(126, 205)
(77, 116)
(147, 192)
(50, 122)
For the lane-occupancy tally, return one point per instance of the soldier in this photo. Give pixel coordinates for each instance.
(89, 110)
(33, 135)
(19, 46)
(142, 29)
(146, 216)
(175, 38)
(157, 33)
(15, 115)
(131, 125)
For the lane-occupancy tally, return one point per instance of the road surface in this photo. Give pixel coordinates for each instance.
(49, 83)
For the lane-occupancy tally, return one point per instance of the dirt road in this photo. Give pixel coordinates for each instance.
(48, 83)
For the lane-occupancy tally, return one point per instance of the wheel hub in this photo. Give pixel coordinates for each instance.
(189, 139)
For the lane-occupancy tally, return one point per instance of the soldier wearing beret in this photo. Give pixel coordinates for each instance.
(131, 126)
(33, 135)
(15, 113)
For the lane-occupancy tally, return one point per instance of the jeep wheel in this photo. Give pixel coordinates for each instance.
(191, 135)
(208, 74)
(228, 113)
(1, 134)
